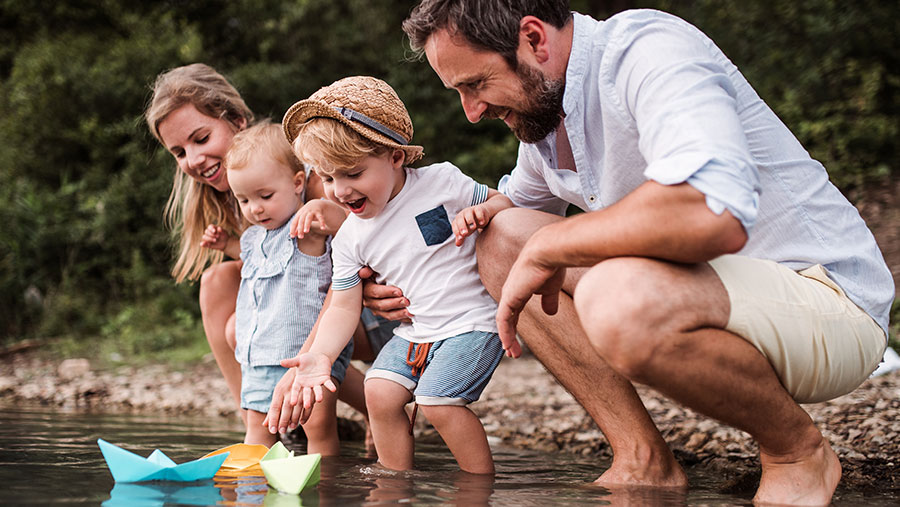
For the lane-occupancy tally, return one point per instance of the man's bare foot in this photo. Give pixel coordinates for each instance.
(805, 480)
(666, 475)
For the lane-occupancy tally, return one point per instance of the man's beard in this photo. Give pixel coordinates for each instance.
(542, 108)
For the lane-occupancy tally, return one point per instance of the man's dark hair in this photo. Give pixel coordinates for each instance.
(492, 25)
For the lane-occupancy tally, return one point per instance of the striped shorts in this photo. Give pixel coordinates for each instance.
(457, 369)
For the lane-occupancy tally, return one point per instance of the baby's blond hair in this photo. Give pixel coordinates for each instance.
(266, 137)
(329, 144)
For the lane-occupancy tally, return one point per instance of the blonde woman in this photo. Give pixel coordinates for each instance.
(194, 113)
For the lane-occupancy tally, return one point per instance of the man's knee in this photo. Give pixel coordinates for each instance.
(613, 305)
(501, 241)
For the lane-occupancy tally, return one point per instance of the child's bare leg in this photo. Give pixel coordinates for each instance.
(362, 347)
(321, 428)
(390, 424)
(352, 393)
(256, 432)
(464, 435)
(218, 296)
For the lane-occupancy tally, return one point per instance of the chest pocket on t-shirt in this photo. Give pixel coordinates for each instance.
(434, 225)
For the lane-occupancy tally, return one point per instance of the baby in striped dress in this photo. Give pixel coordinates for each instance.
(284, 280)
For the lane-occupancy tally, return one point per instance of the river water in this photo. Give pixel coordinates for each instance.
(51, 457)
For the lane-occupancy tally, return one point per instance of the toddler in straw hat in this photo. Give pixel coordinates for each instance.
(283, 281)
(410, 226)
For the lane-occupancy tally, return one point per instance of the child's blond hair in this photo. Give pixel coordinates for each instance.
(193, 205)
(264, 137)
(326, 143)
(349, 120)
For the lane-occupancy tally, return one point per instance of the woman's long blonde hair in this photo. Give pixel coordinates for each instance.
(193, 205)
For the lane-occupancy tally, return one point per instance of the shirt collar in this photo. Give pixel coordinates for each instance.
(578, 60)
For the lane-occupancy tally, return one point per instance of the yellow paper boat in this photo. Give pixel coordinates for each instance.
(288, 473)
(243, 459)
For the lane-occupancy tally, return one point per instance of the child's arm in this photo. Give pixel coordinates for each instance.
(477, 217)
(319, 216)
(335, 328)
(216, 238)
(283, 414)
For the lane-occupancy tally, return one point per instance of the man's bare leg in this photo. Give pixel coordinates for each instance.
(662, 324)
(640, 455)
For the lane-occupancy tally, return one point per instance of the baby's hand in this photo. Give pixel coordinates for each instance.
(214, 237)
(467, 221)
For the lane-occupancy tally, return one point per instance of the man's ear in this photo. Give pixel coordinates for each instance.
(299, 182)
(533, 40)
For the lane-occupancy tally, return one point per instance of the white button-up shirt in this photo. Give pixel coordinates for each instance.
(650, 97)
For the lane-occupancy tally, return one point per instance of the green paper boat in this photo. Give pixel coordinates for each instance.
(288, 473)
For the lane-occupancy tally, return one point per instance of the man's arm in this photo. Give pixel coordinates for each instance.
(385, 301)
(664, 222)
(670, 222)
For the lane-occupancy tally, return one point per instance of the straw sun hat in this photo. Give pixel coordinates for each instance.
(367, 105)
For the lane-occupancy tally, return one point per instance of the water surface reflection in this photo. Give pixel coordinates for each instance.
(51, 457)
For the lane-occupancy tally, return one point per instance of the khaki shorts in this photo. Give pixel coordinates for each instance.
(819, 342)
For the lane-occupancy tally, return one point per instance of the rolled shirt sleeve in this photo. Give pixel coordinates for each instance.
(685, 109)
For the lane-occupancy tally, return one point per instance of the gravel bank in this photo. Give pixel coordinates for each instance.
(522, 407)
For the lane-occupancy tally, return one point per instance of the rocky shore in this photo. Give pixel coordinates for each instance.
(522, 407)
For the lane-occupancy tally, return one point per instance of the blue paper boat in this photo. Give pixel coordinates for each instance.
(163, 493)
(127, 466)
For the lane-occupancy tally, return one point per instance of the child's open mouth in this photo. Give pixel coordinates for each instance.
(357, 206)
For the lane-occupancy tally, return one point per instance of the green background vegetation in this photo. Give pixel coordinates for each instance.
(83, 253)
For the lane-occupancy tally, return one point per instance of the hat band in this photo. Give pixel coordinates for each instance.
(372, 124)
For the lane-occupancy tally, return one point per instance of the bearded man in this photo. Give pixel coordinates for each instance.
(714, 261)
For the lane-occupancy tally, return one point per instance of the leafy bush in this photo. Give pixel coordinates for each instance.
(82, 183)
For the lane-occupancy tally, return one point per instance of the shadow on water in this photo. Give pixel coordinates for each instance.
(52, 457)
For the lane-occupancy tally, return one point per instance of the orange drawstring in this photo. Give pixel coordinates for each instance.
(419, 351)
(418, 360)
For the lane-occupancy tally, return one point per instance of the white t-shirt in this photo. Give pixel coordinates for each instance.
(410, 244)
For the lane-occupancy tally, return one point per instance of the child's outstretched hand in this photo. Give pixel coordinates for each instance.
(469, 220)
(214, 237)
(313, 372)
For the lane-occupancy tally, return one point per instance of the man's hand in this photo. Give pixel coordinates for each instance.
(384, 300)
(526, 277)
(214, 237)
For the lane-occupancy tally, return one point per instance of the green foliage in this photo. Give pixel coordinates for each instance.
(829, 68)
(83, 184)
